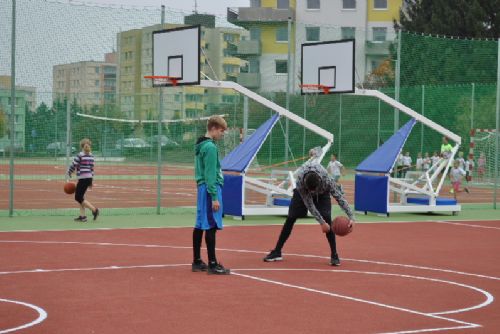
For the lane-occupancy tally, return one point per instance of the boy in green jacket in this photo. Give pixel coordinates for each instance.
(209, 178)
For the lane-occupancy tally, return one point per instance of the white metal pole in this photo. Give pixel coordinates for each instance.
(472, 102)
(397, 82)
(422, 125)
(497, 132)
(340, 130)
(160, 119)
(378, 125)
(12, 109)
(289, 67)
(68, 131)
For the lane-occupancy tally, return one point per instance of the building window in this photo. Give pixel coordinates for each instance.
(253, 65)
(281, 66)
(97, 83)
(254, 34)
(375, 64)
(282, 34)
(380, 4)
(228, 37)
(313, 4)
(348, 4)
(348, 32)
(191, 113)
(229, 68)
(312, 34)
(283, 4)
(255, 3)
(379, 34)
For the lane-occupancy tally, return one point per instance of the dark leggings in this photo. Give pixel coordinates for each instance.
(209, 240)
(298, 209)
(81, 188)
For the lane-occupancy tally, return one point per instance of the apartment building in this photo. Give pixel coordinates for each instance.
(90, 83)
(369, 22)
(25, 101)
(266, 49)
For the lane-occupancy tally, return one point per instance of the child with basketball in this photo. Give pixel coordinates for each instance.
(312, 194)
(83, 165)
(209, 178)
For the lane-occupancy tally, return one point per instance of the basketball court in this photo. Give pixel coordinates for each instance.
(132, 274)
(131, 280)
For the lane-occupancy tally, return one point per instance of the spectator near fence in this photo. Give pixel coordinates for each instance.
(446, 148)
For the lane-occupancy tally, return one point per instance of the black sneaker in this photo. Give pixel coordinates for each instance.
(82, 219)
(95, 213)
(198, 265)
(335, 261)
(273, 256)
(217, 269)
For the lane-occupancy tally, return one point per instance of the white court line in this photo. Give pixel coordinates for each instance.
(34, 271)
(463, 323)
(42, 315)
(468, 225)
(258, 252)
(489, 297)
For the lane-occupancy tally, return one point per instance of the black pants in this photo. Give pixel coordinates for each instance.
(298, 209)
(81, 188)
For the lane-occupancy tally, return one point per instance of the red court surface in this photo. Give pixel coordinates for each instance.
(394, 278)
(42, 191)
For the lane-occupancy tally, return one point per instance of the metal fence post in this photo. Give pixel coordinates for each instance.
(160, 120)
(12, 110)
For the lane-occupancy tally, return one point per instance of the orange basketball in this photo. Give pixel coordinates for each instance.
(69, 188)
(341, 226)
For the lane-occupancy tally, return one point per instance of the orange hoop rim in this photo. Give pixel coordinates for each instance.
(325, 89)
(173, 80)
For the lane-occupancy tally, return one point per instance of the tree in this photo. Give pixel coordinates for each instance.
(462, 18)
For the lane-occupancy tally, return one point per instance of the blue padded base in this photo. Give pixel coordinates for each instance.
(425, 201)
(282, 201)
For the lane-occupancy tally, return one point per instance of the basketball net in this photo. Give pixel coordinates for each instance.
(312, 93)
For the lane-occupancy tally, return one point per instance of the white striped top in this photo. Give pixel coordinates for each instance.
(83, 164)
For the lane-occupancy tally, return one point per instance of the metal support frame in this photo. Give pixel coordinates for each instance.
(406, 188)
(259, 185)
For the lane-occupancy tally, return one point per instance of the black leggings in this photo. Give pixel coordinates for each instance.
(209, 240)
(81, 188)
(298, 209)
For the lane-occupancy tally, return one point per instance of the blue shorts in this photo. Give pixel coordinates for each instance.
(206, 218)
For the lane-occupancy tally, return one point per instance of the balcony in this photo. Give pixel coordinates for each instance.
(249, 80)
(249, 48)
(376, 48)
(243, 15)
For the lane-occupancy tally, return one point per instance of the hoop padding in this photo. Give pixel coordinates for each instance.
(232, 196)
(371, 193)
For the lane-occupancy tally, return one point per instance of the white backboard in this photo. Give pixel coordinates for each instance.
(176, 53)
(329, 64)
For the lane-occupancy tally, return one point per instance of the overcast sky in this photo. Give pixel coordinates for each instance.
(217, 7)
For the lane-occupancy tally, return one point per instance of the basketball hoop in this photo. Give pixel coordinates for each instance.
(162, 80)
(312, 93)
(314, 89)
